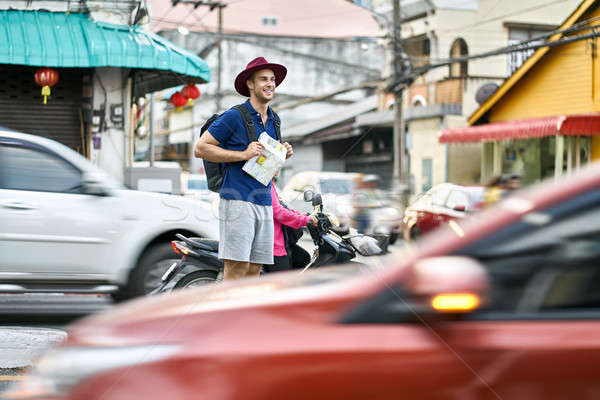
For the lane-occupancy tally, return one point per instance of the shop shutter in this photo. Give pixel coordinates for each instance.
(22, 108)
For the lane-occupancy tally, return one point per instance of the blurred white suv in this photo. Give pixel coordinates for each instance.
(67, 226)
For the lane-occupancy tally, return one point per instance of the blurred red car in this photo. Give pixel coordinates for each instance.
(504, 304)
(439, 205)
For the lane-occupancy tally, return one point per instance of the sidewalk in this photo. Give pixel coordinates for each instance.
(19, 346)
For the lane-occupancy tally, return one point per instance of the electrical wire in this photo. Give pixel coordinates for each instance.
(581, 26)
(461, 29)
(509, 49)
(511, 14)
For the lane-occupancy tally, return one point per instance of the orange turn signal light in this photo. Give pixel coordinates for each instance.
(455, 302)
(179, 249)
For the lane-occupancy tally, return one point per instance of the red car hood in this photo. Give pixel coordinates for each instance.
(318, 295)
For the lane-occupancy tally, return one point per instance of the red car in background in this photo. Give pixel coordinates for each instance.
(439, 205)
(503, 305)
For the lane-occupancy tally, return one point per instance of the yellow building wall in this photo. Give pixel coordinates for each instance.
(565, 81)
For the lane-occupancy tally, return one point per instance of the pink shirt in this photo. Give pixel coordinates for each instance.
(282, 215)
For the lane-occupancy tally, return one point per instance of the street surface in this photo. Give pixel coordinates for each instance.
(33, 322)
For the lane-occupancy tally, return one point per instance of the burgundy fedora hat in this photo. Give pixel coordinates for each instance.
(257, 64)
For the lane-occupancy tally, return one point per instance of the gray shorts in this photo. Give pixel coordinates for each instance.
(245, 232)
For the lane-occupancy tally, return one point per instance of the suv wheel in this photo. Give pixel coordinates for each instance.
(152, 265)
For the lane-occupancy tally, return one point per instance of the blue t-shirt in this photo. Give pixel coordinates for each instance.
(230, 131)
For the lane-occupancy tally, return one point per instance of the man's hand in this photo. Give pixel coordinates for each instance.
(253, 150)
(288, 148)
(314, 220)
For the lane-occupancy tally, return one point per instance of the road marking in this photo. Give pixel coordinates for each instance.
(11, 377)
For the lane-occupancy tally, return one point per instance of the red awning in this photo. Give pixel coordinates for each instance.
(574, 125)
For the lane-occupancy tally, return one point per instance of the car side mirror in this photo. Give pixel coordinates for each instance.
(451, 284)
(94, 185)
(432, 289)
(308, 195)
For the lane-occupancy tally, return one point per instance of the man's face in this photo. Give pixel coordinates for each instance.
(262, 85)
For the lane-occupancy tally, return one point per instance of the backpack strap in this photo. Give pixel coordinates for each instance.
(277, 124)
(248, 122)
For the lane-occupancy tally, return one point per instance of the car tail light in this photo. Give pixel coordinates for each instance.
(180, 248)
(455, 302)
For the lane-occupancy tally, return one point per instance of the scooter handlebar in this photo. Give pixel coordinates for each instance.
(323, 226)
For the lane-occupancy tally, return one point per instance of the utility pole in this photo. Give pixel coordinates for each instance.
(151, 126)
(220, 66)
(219, 6)
(400, 165)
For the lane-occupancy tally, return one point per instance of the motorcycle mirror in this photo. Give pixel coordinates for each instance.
(308, 195)
(316, 200)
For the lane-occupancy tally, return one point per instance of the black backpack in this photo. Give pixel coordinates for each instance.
(215, 172)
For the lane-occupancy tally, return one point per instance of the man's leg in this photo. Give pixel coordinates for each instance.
(235, 238)
(235, 269)
(262, 244)
(254, 269)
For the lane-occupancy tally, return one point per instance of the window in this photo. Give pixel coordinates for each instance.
(423, 201)
(27, 169)
(336, 186)
(418, 48)
(518, 34)
(459, 49)
(457, 198)
(578, 288)
(439, 196)
(547, 264)
(418, 101)
(427, 174)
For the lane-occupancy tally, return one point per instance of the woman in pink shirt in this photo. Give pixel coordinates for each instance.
(293, 219)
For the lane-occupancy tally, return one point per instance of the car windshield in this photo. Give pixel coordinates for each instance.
(336, 186)
(197, 184)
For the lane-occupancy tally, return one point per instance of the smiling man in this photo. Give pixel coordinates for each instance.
(245, 210)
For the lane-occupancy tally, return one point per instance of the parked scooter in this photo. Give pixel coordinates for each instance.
(200, 264)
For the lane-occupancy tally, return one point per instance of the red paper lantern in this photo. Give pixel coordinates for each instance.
(46, 77)
(191, 93)
(178, 101)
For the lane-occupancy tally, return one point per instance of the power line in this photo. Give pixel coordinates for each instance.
(501, 51)
(504, 50)
(520, 46)
(305, 55)
(524, 10)
(390, 24)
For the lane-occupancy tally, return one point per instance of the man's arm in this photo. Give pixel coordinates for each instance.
(208, 149)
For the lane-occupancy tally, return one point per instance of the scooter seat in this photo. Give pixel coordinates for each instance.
(209, 244)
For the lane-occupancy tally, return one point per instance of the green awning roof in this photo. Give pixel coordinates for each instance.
(55, 39)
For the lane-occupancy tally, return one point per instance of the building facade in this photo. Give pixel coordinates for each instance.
(434, 32)
(103, 61)
(543, 121)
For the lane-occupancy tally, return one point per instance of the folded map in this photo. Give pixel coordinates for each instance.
(264, 166)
